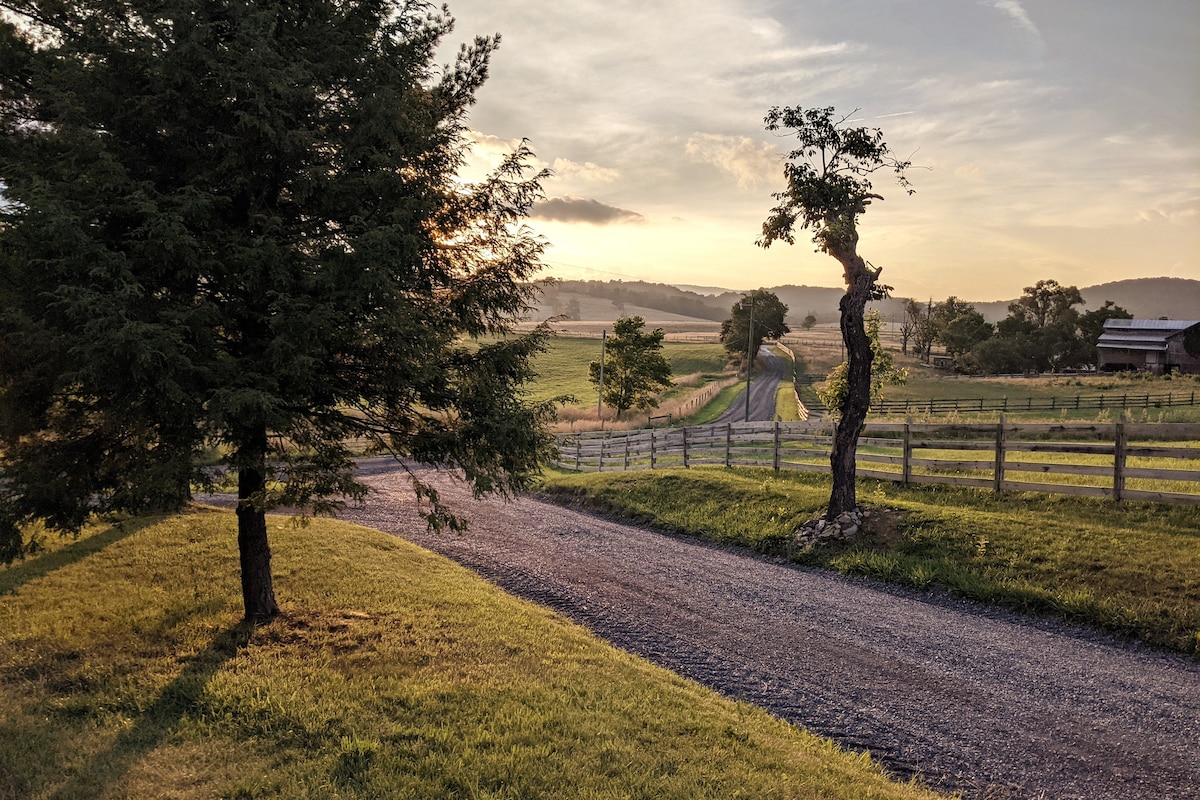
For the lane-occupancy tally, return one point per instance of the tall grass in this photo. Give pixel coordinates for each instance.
(124, 672)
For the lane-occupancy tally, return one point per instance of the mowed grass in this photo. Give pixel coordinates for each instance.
(1132, 569)
(563, 369)
(124, 672)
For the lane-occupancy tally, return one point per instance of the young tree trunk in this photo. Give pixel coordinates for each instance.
(858, 386)
(258, 592)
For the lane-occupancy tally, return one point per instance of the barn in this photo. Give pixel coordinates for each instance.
(1149, 345)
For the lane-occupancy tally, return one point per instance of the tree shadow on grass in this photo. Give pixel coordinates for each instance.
(36, 567)
(156, 723)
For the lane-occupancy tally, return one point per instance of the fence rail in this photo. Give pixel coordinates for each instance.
(1121, 460)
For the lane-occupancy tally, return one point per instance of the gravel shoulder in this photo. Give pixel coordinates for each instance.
(973, 699)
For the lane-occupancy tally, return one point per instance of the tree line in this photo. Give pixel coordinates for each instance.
(1043, 332)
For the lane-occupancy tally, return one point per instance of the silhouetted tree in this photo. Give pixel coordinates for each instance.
(759, 315)
(1045, 326)
(828, 190)
(1091, 326)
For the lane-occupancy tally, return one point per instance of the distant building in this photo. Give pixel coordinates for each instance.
(1147, 345)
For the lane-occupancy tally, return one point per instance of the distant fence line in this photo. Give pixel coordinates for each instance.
(801, 409)
(1121, 460)
(1054, 403)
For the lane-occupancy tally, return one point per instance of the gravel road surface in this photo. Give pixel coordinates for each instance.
(975, 700)
(762, 390)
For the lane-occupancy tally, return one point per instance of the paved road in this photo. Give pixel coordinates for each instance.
(976, 700)
(762, 390)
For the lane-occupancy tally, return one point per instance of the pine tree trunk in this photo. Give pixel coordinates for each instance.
(258, 592)
(858, 386)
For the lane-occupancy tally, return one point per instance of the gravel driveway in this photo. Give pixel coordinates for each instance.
(973, 699)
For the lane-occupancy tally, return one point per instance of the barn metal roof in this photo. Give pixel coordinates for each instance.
(1141, 334)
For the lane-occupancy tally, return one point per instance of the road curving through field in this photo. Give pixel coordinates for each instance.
(975, 700)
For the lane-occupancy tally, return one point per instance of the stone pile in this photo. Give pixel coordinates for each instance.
(818, 531)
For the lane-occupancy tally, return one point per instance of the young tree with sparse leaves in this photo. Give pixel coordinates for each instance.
(635, 369)
(240, 224)
(828, 189)
(884, 371)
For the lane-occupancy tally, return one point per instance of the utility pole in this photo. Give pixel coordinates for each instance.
(600, 395)
(749, 356)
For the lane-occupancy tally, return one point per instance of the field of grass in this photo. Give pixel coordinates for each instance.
(925, 383)
(1132, 569)
(393, 673)
(563, 369)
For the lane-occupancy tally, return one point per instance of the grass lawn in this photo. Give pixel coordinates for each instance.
(1133, 569)
(124, 672)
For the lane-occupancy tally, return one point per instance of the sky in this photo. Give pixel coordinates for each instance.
(1050, 138)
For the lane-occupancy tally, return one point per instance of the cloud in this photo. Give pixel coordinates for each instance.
(1015, 10)
(747, 160)
(579, 209)
(567, 169)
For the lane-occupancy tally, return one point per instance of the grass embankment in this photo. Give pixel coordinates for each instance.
(394, 673)
(1133, 569)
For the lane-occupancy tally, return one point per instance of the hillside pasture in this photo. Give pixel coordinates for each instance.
(563, 370)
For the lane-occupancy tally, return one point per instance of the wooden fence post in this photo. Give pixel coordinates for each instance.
(626, 451)
(906, 467)
(777, 445)
(1119, 459)
(603, 442)
(728, 444)
(685, 448)
(578, 452)
(999, 471)
(653, 454)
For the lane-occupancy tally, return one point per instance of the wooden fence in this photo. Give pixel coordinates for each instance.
(1006, 404)
(1121, 460)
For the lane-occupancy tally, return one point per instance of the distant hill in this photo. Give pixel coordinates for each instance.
(1147, 298)
(604, 300)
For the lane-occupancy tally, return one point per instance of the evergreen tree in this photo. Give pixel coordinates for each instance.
(635, 370)
(239, 224)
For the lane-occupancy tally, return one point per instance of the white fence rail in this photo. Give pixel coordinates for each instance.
(1121, 460)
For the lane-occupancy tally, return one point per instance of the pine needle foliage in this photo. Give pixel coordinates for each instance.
(240, 224)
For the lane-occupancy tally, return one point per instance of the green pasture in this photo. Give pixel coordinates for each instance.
(563, 369)
(1132, 568)
(392, 673)
(925, 383)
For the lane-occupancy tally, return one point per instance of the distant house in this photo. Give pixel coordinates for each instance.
(1149, 345)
